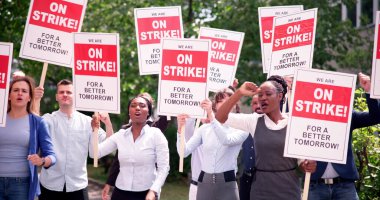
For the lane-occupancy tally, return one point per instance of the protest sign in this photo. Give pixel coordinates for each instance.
(153, 24)
(225, 53)
(375, 78)
(293, 42)
(266, 16)
(320, 115)
(47, 35)
(6, 51)
(96, 72)
(183, 77)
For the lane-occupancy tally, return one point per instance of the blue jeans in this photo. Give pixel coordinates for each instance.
(14, 188)
(336, 191)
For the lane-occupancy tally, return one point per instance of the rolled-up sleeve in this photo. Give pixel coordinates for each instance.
(45, 142)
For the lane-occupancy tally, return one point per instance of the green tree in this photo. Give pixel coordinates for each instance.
(366, 147)
(336, 45)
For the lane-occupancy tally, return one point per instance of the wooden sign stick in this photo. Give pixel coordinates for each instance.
(306, 186)
(95, 142)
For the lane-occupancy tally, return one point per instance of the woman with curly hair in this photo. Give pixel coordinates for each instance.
(275, 176)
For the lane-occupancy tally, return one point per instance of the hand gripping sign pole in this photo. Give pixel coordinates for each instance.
(95, 140)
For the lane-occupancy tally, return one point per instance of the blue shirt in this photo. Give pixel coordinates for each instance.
(14, 146)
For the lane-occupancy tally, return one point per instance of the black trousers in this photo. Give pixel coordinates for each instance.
(245, 186)
(118, 194)
(76, 195)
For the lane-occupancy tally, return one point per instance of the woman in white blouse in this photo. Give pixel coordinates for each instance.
(220, 148)
(275, 176)
(140, 147)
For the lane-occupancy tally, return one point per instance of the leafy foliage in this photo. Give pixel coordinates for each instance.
(366, 147)
(337, 43)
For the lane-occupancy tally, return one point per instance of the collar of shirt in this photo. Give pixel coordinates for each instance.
(68, 116)
(128, 131)
(271, 125)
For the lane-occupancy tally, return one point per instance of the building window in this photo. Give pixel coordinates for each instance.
(363, 13)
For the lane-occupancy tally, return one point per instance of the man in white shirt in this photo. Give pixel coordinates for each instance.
(71, 136)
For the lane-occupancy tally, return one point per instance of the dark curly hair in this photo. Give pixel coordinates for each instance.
(280, 84)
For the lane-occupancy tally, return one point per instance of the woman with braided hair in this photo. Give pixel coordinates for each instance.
(275, 176)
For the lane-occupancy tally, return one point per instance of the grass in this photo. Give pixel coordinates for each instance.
(96, 173)
(174, 190)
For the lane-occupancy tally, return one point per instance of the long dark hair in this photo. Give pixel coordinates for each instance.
(30, 82)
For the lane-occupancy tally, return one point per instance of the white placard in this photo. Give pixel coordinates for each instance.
(48, 30)
(6, 53)
(152, 25)
(225, 52)
(293, 42)
(183, 78)
(266, 16)
(96, 72)
(320, 118)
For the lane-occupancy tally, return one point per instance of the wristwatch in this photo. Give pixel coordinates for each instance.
(43, 162)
